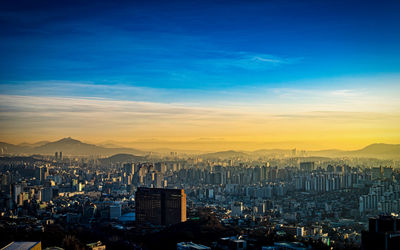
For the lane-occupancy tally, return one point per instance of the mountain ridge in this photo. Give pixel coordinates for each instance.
(68, 146)
(73, 147)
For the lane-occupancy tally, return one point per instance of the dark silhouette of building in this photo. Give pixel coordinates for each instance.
(307, 166)
(383, 233)
(41, 173)
(129, 168)
(160, 206)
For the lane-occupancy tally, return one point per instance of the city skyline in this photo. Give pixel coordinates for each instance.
(188, 124)
(225, 75)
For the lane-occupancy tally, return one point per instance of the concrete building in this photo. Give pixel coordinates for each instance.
(160, 206)
(237, 209)
(307, 166)
(115, 211)
(383, 233)
(24, 245)
(190, 246)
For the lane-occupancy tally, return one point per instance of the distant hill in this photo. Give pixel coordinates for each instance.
(7, 148)
(68, 146)
(377, 150)
(121, 158)
(225, 155)
(74, 147)
(36, 144)
(30, 159)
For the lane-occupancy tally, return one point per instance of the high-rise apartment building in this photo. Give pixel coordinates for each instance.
(129, 168)
(160, 206)
(307, 166)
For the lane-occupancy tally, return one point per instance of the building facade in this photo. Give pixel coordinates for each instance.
(160, 206)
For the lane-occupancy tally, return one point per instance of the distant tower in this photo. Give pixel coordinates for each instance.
(61, 155)
(56, 155)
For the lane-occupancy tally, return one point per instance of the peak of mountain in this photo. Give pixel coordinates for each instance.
(68, 140)
(71, 146)
(68, 146)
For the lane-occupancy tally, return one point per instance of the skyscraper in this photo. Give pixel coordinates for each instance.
(160, 206)
(383, 233)
(307, 166)
(129, 168)
(41, 173)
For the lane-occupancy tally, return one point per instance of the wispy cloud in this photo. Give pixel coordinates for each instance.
(246, 60)
(124, 112)
(367, 96)
(44, 116)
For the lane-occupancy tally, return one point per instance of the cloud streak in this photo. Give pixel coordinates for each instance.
(338, 115)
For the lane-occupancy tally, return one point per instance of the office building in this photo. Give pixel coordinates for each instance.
(160, 206)
(115, 211)
(307, 166)
(237, 209)
(129, 168)
(383, 233)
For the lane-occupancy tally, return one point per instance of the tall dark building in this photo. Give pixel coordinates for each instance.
(58, 156)
(383, 233)
(307, 166)
(129, 168)
(160, 206)
(41, 173)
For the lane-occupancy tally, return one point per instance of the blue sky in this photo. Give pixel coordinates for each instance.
(198, 44)
(312, 63)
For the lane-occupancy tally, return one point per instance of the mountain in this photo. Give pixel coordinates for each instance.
(36, 144)
(225, 155)
(74, 147)
(121, 158)
(379, 150)
(7, 148)
(68, 146)
(376, 150)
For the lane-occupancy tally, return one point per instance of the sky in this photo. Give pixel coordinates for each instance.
(209, 75)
